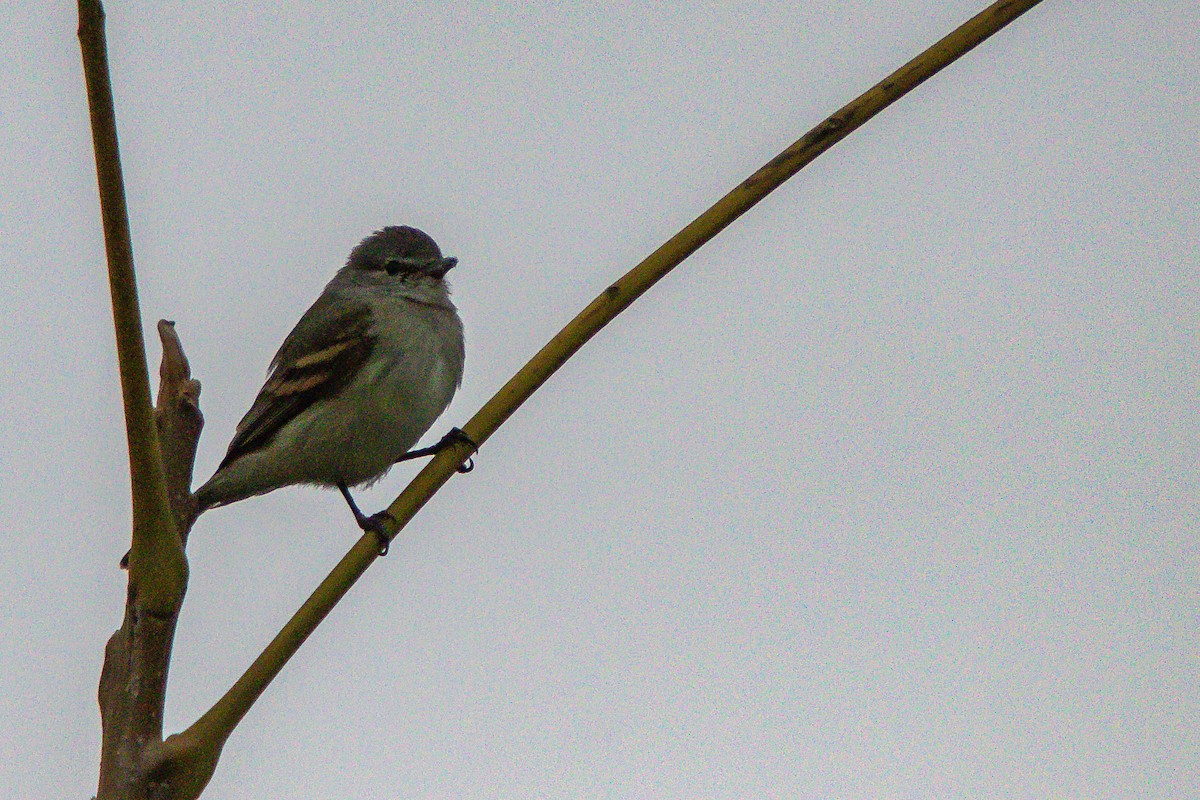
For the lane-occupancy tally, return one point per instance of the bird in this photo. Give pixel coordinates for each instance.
(360, 379)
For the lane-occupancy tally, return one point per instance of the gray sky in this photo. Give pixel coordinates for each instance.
(889, 492)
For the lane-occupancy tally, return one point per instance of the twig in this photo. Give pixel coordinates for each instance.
(206, 736)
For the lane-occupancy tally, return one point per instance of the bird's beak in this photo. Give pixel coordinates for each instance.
(445, 266)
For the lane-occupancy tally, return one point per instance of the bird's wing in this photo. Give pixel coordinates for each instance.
(321, 355)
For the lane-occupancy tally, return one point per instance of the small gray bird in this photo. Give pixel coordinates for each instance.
(363, 375)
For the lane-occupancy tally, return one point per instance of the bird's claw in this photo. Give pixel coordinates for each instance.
(459, 436)
(375, 524)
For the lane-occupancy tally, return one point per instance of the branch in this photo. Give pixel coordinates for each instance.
(179, 422)
(133, 681)
(201, 743)
(156, 564)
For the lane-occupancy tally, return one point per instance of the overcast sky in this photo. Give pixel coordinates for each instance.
(891, 491)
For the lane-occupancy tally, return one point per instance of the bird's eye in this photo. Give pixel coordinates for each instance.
(392, 266)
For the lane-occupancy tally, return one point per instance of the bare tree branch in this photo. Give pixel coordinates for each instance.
(179, 422)
(208, 734)
(136, 762)
(134, 678)
(136, 661)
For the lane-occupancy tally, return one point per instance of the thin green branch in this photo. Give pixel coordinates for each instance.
(133, 682)
(210, 731)
(157, 565)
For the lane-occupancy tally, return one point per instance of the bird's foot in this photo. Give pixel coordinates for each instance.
(375, 523)
(456, 436)
(459, 436)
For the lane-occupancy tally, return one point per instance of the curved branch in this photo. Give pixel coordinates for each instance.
(202, 742)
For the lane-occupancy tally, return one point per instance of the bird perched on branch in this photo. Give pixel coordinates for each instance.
(363, 375)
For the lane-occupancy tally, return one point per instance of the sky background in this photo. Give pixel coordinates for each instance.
(891, 491)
